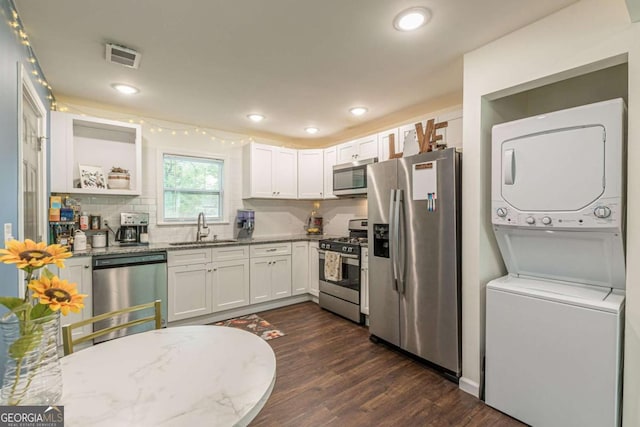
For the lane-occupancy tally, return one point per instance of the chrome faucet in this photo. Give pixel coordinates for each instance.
(202, 227)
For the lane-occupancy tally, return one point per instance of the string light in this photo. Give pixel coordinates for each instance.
(17, 25)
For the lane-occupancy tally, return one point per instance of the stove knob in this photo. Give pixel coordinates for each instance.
(546, 220)
(344, 248)
(530, 220)
(349, 249)
(501, 212)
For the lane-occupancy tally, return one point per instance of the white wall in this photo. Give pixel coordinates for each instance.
(586, 36)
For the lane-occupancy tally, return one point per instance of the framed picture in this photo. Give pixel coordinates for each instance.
(92, 177)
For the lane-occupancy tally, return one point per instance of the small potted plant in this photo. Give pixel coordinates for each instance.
(118, 179)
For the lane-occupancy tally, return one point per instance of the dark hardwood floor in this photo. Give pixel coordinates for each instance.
(330, 374)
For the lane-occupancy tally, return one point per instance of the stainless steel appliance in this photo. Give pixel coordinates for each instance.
(132, 225)
(245, 223)
(350, 179)
(125, 280)
(343, 296)
(414, 268)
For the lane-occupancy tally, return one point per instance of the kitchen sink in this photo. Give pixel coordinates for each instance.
(203, 242)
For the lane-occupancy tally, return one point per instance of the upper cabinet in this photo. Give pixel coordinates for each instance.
(330, 159)
(359, 149)
(383, 143)
(270, 172)
(93, 146)
(310, 174)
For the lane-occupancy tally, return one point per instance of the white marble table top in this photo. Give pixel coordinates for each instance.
(180, 376)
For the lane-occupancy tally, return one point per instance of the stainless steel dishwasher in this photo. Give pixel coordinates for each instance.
(125, 280)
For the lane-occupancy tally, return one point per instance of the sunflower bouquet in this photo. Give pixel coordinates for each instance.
(45, 296)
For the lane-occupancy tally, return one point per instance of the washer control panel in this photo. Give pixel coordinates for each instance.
(601, 214)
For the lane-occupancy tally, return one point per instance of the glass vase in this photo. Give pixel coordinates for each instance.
(32, 373)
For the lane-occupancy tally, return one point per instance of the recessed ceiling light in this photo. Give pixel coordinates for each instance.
(412, 19)
(255, 117)
(126, 89)
(311, 130)
(358, 111)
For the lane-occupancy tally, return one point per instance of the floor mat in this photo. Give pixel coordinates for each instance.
(254, 324)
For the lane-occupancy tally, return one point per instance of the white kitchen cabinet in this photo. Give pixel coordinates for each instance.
(383, 143)
(270, 271)
(299, 268)
(189, 291)
(330, 159)
(359, 149)
(270, 172)
(364, 281)
(189, 283)
(230, 284)
(90, 141)
(314, 269)
(78, 270)
(310, 174)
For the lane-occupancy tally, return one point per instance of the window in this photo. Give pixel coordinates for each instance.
(191, 185)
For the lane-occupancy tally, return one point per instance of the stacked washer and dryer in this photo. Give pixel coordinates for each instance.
(554, 324)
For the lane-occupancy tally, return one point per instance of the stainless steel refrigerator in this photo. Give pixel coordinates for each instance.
(414, 255)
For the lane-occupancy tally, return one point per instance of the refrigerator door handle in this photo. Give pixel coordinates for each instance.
(392, 233)
(398, 260)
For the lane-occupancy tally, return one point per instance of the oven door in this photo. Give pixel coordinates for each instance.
(351, 178)
(350, 272)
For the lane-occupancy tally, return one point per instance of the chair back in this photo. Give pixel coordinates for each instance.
(67, 330)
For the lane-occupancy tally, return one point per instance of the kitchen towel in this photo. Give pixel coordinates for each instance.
(332, 266)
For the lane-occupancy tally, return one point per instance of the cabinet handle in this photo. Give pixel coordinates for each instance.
(272, 250)
(215, 269)
(86, 266)
(209, 270)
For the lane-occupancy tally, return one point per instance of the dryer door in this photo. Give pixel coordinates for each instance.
(559, 170)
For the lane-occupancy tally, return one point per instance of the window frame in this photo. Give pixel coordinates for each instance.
(224, 199)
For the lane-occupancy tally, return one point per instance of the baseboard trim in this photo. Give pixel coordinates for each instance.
(241, 311)
(468, 386)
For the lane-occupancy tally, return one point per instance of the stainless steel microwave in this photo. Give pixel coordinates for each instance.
(350, 179)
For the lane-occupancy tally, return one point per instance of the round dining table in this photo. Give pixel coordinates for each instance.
(178, 376)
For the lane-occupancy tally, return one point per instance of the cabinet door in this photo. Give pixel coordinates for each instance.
(346, 152)
(310, 174)
(364, 282)
(260, 274)
(230, 284)
(383, 144)
(285, 170)
(281, 277)
(367, 147)
(261, 171)
(300, 268)
(329, 161)
(78, 271)
(314, 265)
(189, 291)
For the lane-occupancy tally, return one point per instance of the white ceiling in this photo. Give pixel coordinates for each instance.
(301, 63)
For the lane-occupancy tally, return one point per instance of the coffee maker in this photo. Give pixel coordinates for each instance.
(245, 223)
(132, 225)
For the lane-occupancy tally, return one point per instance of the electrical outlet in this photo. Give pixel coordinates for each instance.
(8, 231)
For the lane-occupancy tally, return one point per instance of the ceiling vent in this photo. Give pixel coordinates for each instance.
(123, 56)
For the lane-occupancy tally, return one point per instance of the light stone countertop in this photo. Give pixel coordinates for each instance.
(179, 376)
(157, 247)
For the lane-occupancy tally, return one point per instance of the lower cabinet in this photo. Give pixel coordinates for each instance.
(270, 275)
(203, 281)
(299, 268)
(230, 284)
(78, 271)
(189, 291)
(364, 281)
